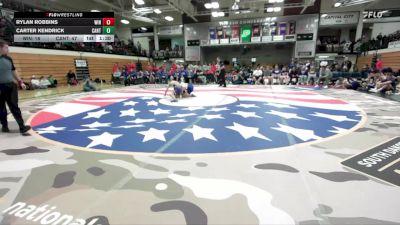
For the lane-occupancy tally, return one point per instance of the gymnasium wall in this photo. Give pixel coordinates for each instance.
(43, 62)
(390, 58)
(270, 54)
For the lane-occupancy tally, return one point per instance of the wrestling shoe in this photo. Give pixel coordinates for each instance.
(5, 130)
(24, 129)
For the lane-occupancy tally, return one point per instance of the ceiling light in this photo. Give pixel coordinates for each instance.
(139, 2)
(273, 18)
(181, 25)
(337, 4)
(208, 5)
(94, 10)
(277, 9)
(270, 9)
(235, 6)
(215, 5)
(221, 14)
(157, 11)
(143, 28)
(237, 12)
(278, 1)
(323, 15)
(214, 14)
(125, 21)
(268, 19)
(272, 1)
(169, 18)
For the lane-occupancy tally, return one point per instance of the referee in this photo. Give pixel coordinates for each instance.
(9, 91)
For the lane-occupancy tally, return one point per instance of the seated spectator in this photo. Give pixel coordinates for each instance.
(303, 75)
(312, 75)
(388, 83)
(71, 78)
(325, 75)
(284, 78)
(258, 76)
(53, 82)
(35, 83)
(43, 82)
(89, 85)
(237, 77)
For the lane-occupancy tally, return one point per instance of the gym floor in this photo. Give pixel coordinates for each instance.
(240, 155)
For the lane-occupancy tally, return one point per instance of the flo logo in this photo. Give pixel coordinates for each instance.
(45, 214)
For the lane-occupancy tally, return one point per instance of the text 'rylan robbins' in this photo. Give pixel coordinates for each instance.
(36, 22)
(40, 30)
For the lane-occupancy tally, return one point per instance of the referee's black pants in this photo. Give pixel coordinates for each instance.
(9, 95)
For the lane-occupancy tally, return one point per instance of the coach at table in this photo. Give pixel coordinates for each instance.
(9, 91)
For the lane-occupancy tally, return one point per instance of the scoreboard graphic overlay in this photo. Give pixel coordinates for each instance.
(64, 27)
(215, 121)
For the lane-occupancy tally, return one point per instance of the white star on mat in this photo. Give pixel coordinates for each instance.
(200, 132)
(218, 109)
(193, 108)
(247, 132)
(130, 126)
(146, 98)
(286, 115)
(105, 139)
(302, 134)
(338, 130)
(210, 117)
(97, 114)
(159, 111)
(246, 114)
(248, 106)
(279, 105)
(96, 125)
(139, 120)
(332, 117)
(173, 121)
(129, 112)
(130, 103)
(83, 130)
(50, 130)
(152, 103)
(153, 133)
(183, 115)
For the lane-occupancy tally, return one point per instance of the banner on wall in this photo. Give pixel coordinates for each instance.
(273, 28)
(339, 18)
(235, 31)
(245, 33)
(228, 32)
(212, 33)
(220, 33)
(282, 28)
(292, 27)
(170, 30)
(256, 30)
(266, 31)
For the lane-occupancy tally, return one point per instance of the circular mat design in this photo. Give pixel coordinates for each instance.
(217, 120)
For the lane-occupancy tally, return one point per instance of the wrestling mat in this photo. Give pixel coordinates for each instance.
(235, 155)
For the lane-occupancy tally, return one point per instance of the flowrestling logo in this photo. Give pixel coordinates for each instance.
(215, 121)
(44, 214)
